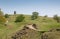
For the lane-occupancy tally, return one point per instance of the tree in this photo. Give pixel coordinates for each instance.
(34, 15)
(1, 13)
(19, 18)
(6, 16)
(56, 18)
(2, 19)
(14, 12)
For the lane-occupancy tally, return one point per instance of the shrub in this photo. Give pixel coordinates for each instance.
(6, 16)
(45, 16)
(2, 20)
(56, 18)
(19, 18)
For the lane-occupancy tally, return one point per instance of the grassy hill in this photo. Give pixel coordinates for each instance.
(43, 24)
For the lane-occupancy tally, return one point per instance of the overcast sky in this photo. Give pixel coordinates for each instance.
(44, 7)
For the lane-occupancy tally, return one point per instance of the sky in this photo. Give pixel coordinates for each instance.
(43, 7)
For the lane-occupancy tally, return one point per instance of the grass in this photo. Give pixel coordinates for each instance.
(42, 24)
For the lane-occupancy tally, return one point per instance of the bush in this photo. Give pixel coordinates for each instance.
(2, 20)
(56, 18)
(19, 18)
(35, 15)
(6, 16)
(45, 16)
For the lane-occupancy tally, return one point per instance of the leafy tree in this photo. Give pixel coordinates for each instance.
(19, 18)
(14, 12)
(56, 18)
(34, 15)
(6, 16)
(1, 13)
(2, 19)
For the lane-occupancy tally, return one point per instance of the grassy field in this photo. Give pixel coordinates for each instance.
(43, 23)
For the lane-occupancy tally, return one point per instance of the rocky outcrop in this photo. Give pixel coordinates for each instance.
(51, 34)
(28, 32)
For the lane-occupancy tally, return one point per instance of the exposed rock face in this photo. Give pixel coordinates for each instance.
(52, 34)
(28, 32)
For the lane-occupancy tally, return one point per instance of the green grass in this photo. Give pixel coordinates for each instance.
(42, 24)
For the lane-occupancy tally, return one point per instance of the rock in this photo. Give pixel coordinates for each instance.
(26, 33)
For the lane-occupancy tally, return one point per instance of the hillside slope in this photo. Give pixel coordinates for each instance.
(43, 24)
